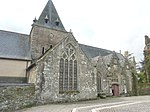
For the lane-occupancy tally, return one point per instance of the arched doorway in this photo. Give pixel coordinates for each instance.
(115, 89)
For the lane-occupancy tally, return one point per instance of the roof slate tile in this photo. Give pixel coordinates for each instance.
(14, 45)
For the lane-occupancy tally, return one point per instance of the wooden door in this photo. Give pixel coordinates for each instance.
(115, 89)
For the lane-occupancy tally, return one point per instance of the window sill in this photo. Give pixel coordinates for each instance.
(69, 92)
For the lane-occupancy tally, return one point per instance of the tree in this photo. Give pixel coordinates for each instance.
(141, 72)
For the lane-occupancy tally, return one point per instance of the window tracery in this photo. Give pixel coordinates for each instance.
(68, 69)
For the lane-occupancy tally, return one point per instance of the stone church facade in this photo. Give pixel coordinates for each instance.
(63, 72)
(63, 69)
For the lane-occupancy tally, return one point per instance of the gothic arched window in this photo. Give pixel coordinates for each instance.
(68, 69)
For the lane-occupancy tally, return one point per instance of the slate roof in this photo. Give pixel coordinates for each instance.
(52, 16)
(107, 55)
(92, 52)
(14, 45)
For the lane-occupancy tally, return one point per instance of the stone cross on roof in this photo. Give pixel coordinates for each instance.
(50, 18)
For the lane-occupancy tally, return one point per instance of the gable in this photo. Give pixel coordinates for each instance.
(69, 42)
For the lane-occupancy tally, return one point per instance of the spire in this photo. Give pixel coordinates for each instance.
(50, 18)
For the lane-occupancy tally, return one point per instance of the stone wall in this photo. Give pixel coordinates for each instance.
(47, 76)
(43, 38)
(13, 97)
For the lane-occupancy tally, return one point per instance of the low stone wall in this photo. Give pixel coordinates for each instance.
(13, 97)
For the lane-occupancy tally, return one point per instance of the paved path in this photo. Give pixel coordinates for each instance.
(121, 104)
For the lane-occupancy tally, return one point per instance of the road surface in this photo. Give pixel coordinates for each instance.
(120, 104)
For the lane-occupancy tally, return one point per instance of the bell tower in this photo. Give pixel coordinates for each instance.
(46, 32)
(49, 17)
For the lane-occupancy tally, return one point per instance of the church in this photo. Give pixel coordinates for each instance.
(61, 68)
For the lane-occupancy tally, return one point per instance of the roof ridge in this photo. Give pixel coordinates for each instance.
(14, 32)
(95, 47)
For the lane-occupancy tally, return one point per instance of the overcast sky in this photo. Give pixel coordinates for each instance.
(109, 24)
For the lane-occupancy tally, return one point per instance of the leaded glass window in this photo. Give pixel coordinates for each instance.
(68, 69)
